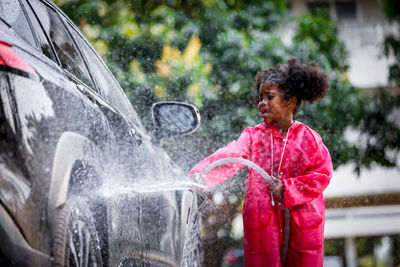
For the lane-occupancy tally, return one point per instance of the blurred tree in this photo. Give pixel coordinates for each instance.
(334, 247)
(392, 41)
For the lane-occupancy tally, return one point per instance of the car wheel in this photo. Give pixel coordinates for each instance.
(192, 249)
(76, 241)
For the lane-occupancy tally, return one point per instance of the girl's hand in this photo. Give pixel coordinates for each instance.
(199, 178)
(277, 190)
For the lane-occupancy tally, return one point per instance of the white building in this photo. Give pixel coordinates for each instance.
(368, 205)
(362, 27)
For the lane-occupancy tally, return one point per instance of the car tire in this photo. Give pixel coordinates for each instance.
(192, 249)
(76, 241)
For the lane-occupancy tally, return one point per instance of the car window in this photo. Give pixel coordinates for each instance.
(106, 83)
(68, 55)
(43, 44)
(12, 13)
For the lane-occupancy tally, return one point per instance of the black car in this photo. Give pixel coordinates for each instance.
(81, 182)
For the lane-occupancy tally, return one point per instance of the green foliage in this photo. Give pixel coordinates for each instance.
(366, 250)
(319, 34)
(391, 46)
(334, 247)
(391, 9)
(365, 247)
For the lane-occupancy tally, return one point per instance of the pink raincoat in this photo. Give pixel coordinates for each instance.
(304, 165)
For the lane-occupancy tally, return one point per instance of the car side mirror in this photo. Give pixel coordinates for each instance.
(174, 118)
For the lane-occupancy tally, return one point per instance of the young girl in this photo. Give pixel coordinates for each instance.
(297, 160)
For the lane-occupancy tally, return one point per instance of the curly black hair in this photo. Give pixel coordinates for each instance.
(305, 81)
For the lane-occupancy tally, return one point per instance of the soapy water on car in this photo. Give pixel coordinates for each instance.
(192, 244)
(144, 210)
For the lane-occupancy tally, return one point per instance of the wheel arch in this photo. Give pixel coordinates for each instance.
(71, 148)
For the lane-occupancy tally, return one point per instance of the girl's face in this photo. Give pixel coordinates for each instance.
(273, 108)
